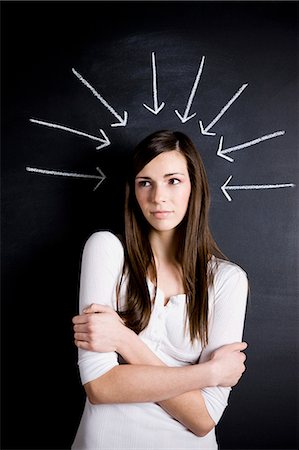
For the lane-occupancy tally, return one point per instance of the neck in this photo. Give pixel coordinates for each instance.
(164, 246)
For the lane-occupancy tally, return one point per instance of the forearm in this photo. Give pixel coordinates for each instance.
(146, 383)
(188, 408)
(146, 378)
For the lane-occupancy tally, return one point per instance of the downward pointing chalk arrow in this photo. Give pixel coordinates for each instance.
(204, 130)
(122, 121)
(222, 153)
(185, 117)
(226, 188)
(71, 174)
(105, 141)
(157, 108)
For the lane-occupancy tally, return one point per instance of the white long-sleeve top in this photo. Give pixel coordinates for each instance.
(147, 425)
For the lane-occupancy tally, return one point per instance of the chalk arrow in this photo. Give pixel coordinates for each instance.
(105, 141)
(186, 117)
(157, 108)
(122, 121)
(222, 153)
(70, 174)
(205, 130)
(226, 187)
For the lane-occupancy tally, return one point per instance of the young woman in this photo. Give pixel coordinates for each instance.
(161, 312)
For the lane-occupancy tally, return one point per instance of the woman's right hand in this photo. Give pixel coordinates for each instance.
(228, 363)
(99, 329)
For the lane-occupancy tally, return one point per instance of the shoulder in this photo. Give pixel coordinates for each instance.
(227, 273)
(104, 239)
(225, 268)
(104, 244)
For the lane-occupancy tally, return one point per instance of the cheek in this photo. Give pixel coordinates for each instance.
(184, 199)
(140, 198)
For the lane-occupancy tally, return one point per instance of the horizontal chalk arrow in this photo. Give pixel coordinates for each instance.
(157, 108)
(226, 188)
(105, 141)
(70, 174)
(186, 117)
(205, 130)
(122, 121)
(222, 153)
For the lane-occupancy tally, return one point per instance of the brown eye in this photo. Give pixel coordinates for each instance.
(174, 181)
(144, 183)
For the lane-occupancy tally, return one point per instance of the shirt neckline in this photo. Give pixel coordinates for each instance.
(162, 295)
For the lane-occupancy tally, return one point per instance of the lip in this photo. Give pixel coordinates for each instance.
(161, 214)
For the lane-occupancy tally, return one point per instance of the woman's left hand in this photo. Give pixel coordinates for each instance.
(99, 329)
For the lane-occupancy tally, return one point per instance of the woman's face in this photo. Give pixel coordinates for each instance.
(162, 190)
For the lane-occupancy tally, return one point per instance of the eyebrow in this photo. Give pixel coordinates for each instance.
(165, 176)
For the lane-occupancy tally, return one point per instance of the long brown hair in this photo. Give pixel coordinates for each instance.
(195, 242)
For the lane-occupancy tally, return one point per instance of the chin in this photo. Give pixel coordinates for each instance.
(163, 227)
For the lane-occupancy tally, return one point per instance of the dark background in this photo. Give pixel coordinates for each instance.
(46, 219)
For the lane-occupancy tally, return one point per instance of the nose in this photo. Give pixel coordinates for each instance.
(158, 194)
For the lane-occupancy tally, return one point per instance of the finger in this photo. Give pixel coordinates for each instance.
(82, 344)
(96, 308)
(245, 345)
(238, 346)
(81, 337)
(79, 319)
(81, 328)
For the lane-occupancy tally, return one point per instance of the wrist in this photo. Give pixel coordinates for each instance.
(124, 339)
(209, 374)
(213, 373)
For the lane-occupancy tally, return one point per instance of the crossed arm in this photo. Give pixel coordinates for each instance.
(146, 378)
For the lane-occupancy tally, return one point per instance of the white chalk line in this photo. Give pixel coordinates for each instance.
(205, 130)
(157, 108)
(225, 187)
(105, 141)
(69, 174)
(260, 186)
(222, 153)
(123, 121)
(253, 142)
(185, 117)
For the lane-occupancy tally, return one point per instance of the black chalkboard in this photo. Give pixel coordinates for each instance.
(81, 65)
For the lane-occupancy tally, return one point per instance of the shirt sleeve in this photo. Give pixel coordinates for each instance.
(101, 268)
(228, 307)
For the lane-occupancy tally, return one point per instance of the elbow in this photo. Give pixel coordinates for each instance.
(202, 433)
(202, 429)
(92, 399)
(100, 390)
(94, 395)
(89, 391)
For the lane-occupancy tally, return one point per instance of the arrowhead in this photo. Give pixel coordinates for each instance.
(122, 122)
(155, 111)
(102, 178)
(184, 118)
(203, 131)
(101, 173)
(220, 151)
(105, 141)
(224, 188)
